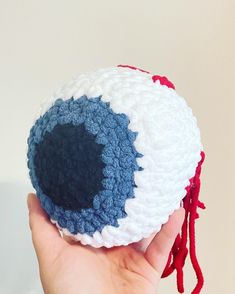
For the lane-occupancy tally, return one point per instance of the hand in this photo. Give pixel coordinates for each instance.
(67, 267)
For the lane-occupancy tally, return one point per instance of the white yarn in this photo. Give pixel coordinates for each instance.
(168, 137)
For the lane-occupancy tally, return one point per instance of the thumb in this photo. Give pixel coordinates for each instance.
(46, 238)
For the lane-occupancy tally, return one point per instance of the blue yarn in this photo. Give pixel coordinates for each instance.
(68, 166)
(117, 153)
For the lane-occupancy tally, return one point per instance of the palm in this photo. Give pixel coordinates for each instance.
(69, 267)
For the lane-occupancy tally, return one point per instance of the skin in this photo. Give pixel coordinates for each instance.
(67, 267)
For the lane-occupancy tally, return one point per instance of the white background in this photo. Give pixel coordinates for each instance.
(45, 43)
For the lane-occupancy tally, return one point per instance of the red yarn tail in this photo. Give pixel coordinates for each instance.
(179, 250)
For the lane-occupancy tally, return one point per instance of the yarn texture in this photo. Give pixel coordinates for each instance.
(82, 162)
(111, 154)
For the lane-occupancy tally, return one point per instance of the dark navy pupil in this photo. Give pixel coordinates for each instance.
(68, 166)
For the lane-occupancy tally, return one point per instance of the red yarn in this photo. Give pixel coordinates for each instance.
(163, 80)
(179, 250)
(133, 67)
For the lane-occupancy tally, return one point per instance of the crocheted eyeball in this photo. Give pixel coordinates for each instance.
(113, 154)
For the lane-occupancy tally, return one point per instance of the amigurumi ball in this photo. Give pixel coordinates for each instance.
(113, 154)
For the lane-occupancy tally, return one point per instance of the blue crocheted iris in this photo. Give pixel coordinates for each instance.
(82, 161)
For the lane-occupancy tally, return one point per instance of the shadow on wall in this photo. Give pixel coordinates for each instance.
(18, 267)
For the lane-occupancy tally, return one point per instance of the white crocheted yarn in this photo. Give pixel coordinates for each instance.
(168, 137)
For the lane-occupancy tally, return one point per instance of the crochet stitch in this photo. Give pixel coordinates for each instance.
(82, 160)
(68, 166)
(168, 140)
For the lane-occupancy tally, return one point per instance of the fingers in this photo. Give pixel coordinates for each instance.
(46, 238)
(158, 250)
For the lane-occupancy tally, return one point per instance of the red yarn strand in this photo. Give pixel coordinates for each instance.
(179, 250)
(193, 215)
(133, 67)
